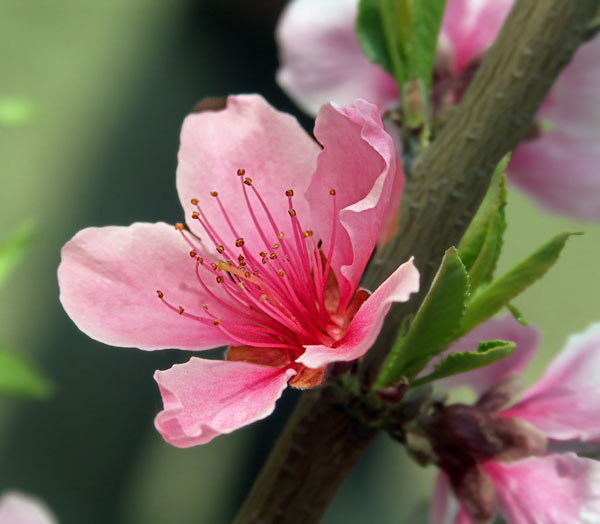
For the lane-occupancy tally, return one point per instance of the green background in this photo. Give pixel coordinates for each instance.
(108, 84)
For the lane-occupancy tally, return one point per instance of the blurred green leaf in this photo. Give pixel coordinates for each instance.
(518, 316)
(427, 20)
(12, 249)
(15, 111)
(434, 325)
(455, 363)
(19, 378)
(490, 299)
(481, 245)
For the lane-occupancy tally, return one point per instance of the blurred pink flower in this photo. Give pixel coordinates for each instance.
(561, 411)
(556, 164)
(18, 508)
(280, 232)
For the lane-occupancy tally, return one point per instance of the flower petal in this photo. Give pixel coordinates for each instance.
(108, 280)
(205, 398)
(276, 153)
(560, 168)
(470, 27)
(444, 506)
(554, 489)
(366, 324)
(357, 148)
(321, 59)
(565, 402)
(506, 328)
(18, 508)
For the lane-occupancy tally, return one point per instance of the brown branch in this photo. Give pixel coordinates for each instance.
(321, 442)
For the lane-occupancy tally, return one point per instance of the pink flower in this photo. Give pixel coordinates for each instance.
(280, 232)
(321, 60)
(563, 409)
(18, 508)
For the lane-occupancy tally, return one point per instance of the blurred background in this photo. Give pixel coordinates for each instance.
(101, 89)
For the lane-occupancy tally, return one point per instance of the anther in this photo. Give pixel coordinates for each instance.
(241, 172)
(216, 321)
(273, 256)
(181, 310)
(281, 273)
(195, 215)
(276, 245)
(159, 293)
(220, 279)
(242, 263)
(247, 274)
(220, 249)
(230, 262)
(292, 212)
(255, 272)
(262, 298)
(332, 192)
(248, 181)
(179, 226)
(239, 242)
(193, 253)
(194, 201)
(214, 194)
(205, 306)
(214, 265)
(280, 235)
(201, 260)
(289, 193)
(308, 233)
(263, 254)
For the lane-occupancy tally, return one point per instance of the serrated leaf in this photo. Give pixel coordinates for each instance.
(19, 378)
(434, 325)
(489, 300)
(487, 353)
(12, 249)
(482, 243)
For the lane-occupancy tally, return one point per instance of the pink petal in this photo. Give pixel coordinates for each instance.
(556, 489)
(359, 162)
(444, 506)
(470, 27)
(18, 508)
(276, 153)
(366, 324)
(321, 59)
(108, 280)
(560, 169)
(565, 402)
(205, 398)
(527, 339)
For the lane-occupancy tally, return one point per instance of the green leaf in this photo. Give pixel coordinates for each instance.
(518, 316)
(434, 325)
(13, 249)
(401, 36)
(481, 244)
(19, 378)
(487, 301)
(428, 20)
(487, 353)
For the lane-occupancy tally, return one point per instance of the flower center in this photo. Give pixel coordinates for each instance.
(273, 296)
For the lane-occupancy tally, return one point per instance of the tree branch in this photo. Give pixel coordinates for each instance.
(321, 442)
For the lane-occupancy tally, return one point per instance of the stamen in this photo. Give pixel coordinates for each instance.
(160, 293)
(214, 194)
(181, 310)
(308, 233)
(220, 249)
(220, 279)
(276, 245)
(248, 181)
(193, 253)
(280, 235)
(292, 212)
(216, 321)
(179, 226)
(194, 201)
(241, 172)
(239, 242)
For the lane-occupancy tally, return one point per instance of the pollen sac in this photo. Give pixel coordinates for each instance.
(289, 193)
(281, 273)
(332, 192)
(214, 194)
(241, 172)
(308, 233)
(181, 310)
(280, 235)
(276, 245)
(273, 256)
(220, 279)
(239, 242)
(216, 321)
(214, 265)
(248, 181)
(194, 201)
(193, 253)
(159, 293)
(179, 226)
(220, 249)
(292, 212)
(195, 215)
(200, 260)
